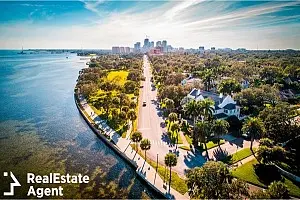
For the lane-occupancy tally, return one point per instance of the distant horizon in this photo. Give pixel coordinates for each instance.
(106, 23)
(217, 48)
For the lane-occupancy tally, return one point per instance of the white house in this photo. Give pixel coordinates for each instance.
(224, 107)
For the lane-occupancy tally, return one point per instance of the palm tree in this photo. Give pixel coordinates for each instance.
(132, 105)
(172, 118)
(115, 112)
(206, 108)
(207, 77)
(170, 161)
(203, 131)
(175, 127)
(220, 127)
(253, 127)
(125, 109)
(132, 116)
(116, 102)
(192, 109)
(107, 101)
(145, 145)
(136, 137)
(169, 104)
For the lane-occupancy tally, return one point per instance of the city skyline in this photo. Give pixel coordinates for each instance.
(189, 24)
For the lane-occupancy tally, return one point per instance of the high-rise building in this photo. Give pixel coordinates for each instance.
(137, 47)
(201, 48)
(146, 43)
(115, 50)
(122, 50)
(127, 50)
(164, 45)
(152, 44)
(158, 44)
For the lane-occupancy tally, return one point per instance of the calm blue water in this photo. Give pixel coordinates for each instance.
(41, 130)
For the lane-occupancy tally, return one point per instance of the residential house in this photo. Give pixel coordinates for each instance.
(224, 106)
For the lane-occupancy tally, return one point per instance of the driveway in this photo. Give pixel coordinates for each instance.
(230, 147)
(151, 124)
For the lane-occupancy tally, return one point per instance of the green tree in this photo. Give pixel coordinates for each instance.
(132, 105)
(124, 100)
(278, 190)
(203, 132)
(115, 112)
(266, 142)
(253, 127)
(210, 181)
(169, 104)
(271, 74)
(172, 118)
(136, 137)
(175, 127)
(229, 86)
(107, 103)
(130, 87)
(125, 109)
(123, 115)
(219, 128)
(206, 108)
(170, 161)
(145, 145)
(192, 109)
(270, 154)
(131, 116)
(278, 122)
(116, 102)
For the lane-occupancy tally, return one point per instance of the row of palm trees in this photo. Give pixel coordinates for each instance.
(206, 127)
(145, 145)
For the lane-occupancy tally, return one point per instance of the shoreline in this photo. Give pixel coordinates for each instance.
(115, 147)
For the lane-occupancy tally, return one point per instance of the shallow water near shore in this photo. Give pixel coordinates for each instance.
(41, 130)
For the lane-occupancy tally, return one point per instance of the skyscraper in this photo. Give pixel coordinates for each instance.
(115, 50)
(137, 47)
(146, 43)
(164, 45)
(152, 44)
(122, 50)
(158, 43)
(127, 50)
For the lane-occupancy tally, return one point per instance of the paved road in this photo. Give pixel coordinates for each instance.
(144, 169)
(151, 124)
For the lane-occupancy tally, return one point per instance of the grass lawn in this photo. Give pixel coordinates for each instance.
(240, 155)
(248, 173)
(188, 139)
(185, 148)
(177, 183)
(210, 144)
(119, 77)
(213, 143)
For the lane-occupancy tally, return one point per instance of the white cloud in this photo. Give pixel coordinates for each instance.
(179, 25)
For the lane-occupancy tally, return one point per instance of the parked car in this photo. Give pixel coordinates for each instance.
(144, 103)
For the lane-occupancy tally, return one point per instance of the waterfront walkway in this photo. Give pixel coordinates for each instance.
(144, 169)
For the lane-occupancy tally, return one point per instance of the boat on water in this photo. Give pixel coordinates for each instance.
(22, 52)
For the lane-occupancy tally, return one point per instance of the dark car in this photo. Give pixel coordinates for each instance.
(144, 103)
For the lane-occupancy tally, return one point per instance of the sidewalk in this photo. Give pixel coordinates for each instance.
(144, 169)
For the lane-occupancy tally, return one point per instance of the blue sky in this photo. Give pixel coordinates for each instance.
(190, 24)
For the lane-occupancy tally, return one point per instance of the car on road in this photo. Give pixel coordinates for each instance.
(144, 103)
